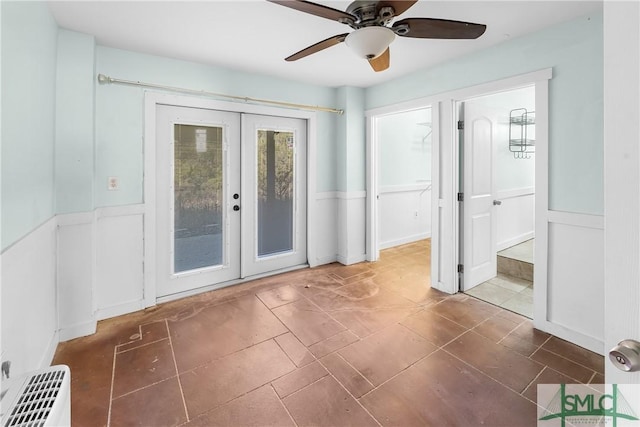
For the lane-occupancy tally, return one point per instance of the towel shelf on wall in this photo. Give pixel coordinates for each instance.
(521, 133)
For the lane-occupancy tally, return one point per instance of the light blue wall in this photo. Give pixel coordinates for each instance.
(350, 140)
(29, 36)
(74, 150)
(120, 114)
(575, 51)
(356, 140)
(29, 304)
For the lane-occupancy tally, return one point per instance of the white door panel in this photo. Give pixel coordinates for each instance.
(198, 233)
(479, 219)
(227, 208)
(273, 193)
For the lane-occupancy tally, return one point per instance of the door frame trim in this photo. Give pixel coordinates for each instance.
(154, 98)
(372, 248)
(445, 247)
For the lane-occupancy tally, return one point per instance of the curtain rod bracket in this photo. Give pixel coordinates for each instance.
(104, 79)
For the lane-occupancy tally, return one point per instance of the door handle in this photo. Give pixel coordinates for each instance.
(626, 355)
(497, 202)
(236, 207)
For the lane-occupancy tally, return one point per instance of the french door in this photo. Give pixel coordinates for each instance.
(230, 197)
(274, 227)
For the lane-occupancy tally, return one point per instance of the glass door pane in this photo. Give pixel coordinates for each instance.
(197, 171)
(276, 154)
(198, 197)
(274, 207)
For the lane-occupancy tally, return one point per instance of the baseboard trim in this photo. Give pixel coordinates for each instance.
(404, 240)
(352, 259)
(78, 330)
(582, 340)
(441, 286)
(50, 352)
(515, 241)
(120, 309)
(325, 260)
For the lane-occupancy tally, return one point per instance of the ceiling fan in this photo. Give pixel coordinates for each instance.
(374, 29)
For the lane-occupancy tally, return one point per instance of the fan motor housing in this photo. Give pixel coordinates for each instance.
(368, 14)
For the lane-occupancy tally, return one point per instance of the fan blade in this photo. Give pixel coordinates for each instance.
(381, 62)
(331, 41)
(315, 9)
(399, 6)
(429, 28)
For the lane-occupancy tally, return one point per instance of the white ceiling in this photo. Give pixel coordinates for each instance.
(256, 35)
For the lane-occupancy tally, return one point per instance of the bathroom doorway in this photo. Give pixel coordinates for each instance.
(497, 197)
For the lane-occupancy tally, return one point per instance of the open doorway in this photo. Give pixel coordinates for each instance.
(400, 147)
(497, 195)
(404, 177)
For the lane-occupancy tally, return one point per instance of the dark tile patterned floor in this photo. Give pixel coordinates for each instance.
(367, 344)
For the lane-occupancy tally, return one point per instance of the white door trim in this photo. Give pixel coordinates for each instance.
(540, 80)
(151, 100)
(372, 248)
(543, 216)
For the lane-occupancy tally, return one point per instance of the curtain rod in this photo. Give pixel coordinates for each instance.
(109, 80)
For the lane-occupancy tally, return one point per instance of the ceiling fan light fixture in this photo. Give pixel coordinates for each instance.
(370, 42)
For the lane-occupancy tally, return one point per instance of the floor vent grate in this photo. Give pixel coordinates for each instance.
(36, 400)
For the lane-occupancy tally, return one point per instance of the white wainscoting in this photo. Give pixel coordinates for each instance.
(29, 309)
(75, 269)
(404, 214)
(326, 216)
(515, 218)
(120, 260)
(568, 296)
(351, 231)
(99, 267)
(331, 210)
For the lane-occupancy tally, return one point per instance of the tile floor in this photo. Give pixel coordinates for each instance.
(508, 292)
(512, 288)
(366, 344)
(521, 252)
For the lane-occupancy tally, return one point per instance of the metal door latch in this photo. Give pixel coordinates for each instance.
(626, 355)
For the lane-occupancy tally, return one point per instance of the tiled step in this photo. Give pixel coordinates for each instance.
(515, 268)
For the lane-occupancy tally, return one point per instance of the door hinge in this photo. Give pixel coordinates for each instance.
(460, 268)
(461, 197)
(460, 125)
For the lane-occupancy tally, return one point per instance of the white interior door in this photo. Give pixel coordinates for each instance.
(198, 231)
(274, 198)
(479, 219)
(621, 296)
